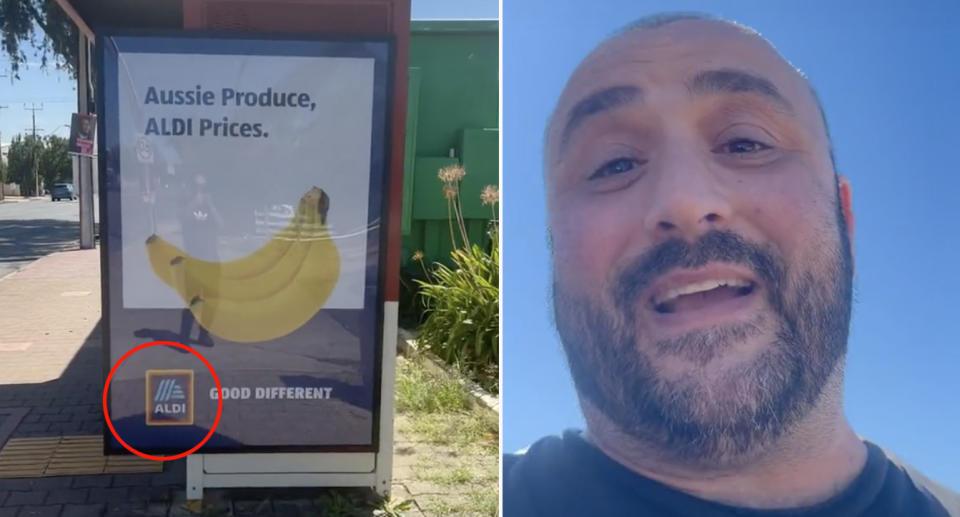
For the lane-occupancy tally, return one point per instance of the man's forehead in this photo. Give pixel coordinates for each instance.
(685, 42)
(672, 55)
(675, 53)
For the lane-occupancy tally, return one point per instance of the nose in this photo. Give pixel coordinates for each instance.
(688, 200)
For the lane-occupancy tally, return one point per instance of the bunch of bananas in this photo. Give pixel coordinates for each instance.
(267, 294)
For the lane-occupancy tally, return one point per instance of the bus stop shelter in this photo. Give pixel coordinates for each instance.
(331, 18)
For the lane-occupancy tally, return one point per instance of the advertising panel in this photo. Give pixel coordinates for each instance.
(242, 204)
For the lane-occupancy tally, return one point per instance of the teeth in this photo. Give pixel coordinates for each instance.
(698, 287)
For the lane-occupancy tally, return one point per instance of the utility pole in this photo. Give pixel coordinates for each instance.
(85, 163)
(2, 180)
(36, 173)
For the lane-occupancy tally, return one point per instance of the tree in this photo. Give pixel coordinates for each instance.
(54, 162)
(3, 176)
(24, 22)
(20, 162)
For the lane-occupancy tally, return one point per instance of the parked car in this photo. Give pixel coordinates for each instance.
(62, 191)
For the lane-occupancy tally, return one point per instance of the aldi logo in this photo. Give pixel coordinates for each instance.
(169, 397)
(168, 390)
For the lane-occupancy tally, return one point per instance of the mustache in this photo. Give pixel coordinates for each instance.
(713, 246)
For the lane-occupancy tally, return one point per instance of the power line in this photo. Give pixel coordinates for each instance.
(47, 100)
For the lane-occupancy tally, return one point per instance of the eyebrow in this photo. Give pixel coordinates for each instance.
(707, 82)
(597, 102)
(731, 80)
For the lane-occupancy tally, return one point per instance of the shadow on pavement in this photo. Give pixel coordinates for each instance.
(23, 240)
(169, 335)
(70, 405)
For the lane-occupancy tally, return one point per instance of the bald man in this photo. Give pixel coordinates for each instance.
(703, 268)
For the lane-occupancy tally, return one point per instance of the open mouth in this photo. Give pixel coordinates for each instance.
(699, 295)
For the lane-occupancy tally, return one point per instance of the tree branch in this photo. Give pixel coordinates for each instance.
(39, 20)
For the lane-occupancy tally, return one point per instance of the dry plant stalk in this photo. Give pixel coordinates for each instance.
(451, 176)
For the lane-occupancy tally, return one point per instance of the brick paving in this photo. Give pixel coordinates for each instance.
(423, 470)
(50, 367)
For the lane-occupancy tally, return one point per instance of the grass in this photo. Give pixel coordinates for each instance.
(461, 463)
(445, 413)
(481, 503)
(469, 431)
(458, 476)
(419, 390)
(338, 504)
(438, 410)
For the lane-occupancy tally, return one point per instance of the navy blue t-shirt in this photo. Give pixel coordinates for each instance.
(569, 476)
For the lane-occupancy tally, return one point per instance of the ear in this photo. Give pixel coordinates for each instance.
(846, 206)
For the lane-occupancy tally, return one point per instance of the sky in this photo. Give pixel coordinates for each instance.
(891, 92)
(51, 89)
(57, 93)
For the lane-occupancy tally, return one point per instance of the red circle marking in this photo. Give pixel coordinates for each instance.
(216, 421)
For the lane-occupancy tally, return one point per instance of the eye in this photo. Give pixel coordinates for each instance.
(742, 146)
(615, 167)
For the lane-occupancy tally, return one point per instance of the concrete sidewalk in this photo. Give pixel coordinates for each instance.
(50, 386)
(20, 199)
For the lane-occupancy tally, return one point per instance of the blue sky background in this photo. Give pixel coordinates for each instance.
(58, 94)
(889, 82)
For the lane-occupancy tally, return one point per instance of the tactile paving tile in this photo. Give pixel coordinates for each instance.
(66, 456)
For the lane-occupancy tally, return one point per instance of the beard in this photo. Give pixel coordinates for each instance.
(729, 415)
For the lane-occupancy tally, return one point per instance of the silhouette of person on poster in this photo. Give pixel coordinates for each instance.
(200, 223)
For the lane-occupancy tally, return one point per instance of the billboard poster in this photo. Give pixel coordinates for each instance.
(83, 129)
(243, 191)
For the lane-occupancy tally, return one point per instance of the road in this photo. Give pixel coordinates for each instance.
(32, 229)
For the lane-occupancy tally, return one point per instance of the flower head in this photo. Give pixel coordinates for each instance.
(451, 174)
(418, 255)
(490, 195)
(449, 192)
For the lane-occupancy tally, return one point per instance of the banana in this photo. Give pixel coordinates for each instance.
(161, 253)
(200, 279)
(288, 308)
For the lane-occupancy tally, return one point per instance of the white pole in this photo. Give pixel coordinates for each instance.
(388, 374)
(75, 163)
(86, 203)
(85, 162)
(195, 477)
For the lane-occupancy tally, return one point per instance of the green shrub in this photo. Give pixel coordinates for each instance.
(411, 302)
(461, 301)
(463, 308)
